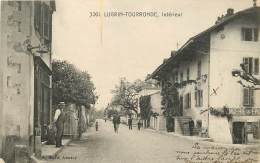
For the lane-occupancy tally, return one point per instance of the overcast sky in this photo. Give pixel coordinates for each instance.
(128, 47)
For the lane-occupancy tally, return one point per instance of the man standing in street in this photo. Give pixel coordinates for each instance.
(59, 119)
(130, 123)
(115, 122)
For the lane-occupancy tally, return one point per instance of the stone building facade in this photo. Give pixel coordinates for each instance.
(25, 74)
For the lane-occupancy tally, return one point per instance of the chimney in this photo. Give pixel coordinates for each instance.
(230, 12)
(173, 53)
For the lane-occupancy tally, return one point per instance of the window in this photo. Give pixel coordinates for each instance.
(248, 97)
(188, 74)
(188, 101)
(42, 19)
(251, 65)
(199, 98)
(250, 34)
(37, 16)
(199, 70)
(181, 77)
(19, 26)
(46, 22)
(19, 4)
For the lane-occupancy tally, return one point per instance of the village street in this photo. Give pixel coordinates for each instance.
(137, 146)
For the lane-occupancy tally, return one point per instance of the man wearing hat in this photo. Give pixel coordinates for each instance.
(59, 119)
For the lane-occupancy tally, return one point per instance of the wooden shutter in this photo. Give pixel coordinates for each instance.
(188, 74)
(246, 64)
(256, 30)
(199, 70)
(46, 21)
(251, 95)
(196, 98)
(37, 15)
(246, 96)
(189, 100)
(250, 65)
(256, 66)
(201, 97)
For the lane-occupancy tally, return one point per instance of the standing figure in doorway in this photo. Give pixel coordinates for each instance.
(59, 119)
(191, 126)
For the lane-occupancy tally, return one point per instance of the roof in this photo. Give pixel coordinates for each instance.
(193, 39)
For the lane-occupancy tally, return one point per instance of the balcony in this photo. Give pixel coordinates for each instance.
(244, 111)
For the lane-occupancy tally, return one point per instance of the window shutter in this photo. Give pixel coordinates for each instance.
(246, 64)
(245, 96)
(189, 100)
(201, 97)
(251, 97)
(37, 15)
(256, 31)
(256, 65)
(199, 70)
(243, 33)
(250, 66)
(196, 101)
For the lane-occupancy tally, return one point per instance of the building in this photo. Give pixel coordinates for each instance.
(25, 75)
(155, 119)
(208, 95)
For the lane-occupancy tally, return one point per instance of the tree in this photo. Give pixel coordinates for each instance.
(126, 94)
(245, 76)
(145, 109)
(72, 85)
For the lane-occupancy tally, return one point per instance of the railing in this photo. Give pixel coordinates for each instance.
(244, 111)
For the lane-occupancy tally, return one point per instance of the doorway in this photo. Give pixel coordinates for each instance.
(239, 133)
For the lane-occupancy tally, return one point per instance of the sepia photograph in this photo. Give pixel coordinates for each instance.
(123, 81)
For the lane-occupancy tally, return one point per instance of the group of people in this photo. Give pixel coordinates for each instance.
(130, 124)
(116, 122)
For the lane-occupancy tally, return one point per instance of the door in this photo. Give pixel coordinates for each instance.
(45, 112)
(238, 132)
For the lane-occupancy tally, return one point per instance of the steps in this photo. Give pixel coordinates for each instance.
(182, 125)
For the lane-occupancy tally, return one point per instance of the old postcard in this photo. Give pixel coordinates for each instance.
(123, 81)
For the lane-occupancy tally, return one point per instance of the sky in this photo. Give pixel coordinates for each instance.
(113, 47)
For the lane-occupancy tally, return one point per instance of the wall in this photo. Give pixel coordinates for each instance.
(1, 79)
(145, 92)
(194, 111)
(156, 105)
(17, 72)
(219, 130)
(157, 122)
(226, 55)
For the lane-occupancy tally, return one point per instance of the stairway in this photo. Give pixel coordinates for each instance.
(182, 125)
